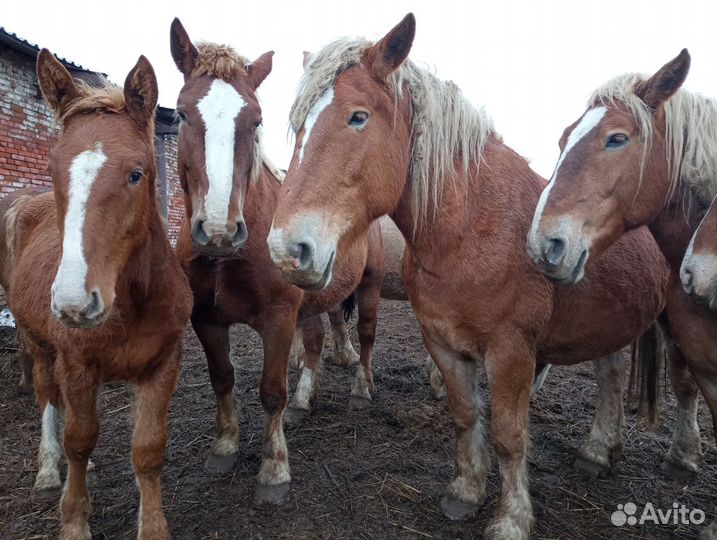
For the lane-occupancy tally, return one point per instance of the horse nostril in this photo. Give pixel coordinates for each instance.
(555, 251)
(687, 279)
(240, 235)
(94, 307)
(303, 251)
(198, 233)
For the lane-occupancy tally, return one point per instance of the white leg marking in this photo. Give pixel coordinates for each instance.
(219, 109)
(69, 287)
(324, 101)
(305, 389)
(50, 452)
(275, 463)
(589, 120)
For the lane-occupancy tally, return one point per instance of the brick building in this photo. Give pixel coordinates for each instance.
(27, 129)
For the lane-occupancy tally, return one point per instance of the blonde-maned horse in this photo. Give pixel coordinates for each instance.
(643, 153)
(95, 287)
(376, 134)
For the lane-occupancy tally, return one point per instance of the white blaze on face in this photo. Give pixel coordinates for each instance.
(69, 288)
(324, 101)
(219, 110)
(589, 120)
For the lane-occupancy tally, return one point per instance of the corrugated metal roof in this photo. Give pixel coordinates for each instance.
(16, 43)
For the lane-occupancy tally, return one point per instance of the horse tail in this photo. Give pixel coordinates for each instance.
(10, 208)
(348, 306)
(648, 361)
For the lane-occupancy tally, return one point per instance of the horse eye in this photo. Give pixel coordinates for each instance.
(135, 177)
(617, 140)
(358, 119)
(182, 117)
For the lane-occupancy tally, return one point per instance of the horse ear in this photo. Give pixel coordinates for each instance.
(260, 68)
(141, 92)
(183, 51)
(390, 52)
(307, 58)
(663, 84)
(56, 83)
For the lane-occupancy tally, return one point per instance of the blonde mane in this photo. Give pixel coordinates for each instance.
(219, 61)
(690, 132)
(103, 97)
(445, 126)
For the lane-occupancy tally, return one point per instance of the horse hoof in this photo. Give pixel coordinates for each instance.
(47, 493)
(456, 509)
(272, 494)
(675, 472)
(359, 402)
(591, 468)
(294, 415)
(220, 463)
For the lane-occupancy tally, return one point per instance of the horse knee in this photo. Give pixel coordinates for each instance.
(273, 400)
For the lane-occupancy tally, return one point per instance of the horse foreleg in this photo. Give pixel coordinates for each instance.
(368, 296)
(607, 434)
(274, 476)
(49, 453)
(684, 457)
(82, 427)
(307, 388)
(466, 492)
(510, 366)
(149, 440)
(343, 351)
(215, 342)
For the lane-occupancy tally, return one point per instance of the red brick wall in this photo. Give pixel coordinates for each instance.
(175, 200)
(26, 126)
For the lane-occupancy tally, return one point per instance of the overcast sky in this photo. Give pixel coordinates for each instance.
(532, 64)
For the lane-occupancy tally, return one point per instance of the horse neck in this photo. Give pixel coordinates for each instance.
(495, 199)
(674, 226)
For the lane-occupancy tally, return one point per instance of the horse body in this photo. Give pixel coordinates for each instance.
(464, 213)
(230, 196)
(642, 154)
(95, 288)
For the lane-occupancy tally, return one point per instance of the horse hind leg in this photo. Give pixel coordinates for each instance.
(224, 451)
(607, 434)
(368, 295)
(684, 458)
(312, 330)
(297, 352)
(343, 351)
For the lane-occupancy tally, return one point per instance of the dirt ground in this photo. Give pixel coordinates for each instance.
(375, 473)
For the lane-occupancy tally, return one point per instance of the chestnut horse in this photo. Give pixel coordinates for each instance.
(699, 265)
(376, 134)
(96, 290)
(230, 192)
(642, 154)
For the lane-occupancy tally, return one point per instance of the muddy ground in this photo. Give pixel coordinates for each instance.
(376, 473)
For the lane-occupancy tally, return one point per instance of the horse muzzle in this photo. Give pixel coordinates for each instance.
(302, 260)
